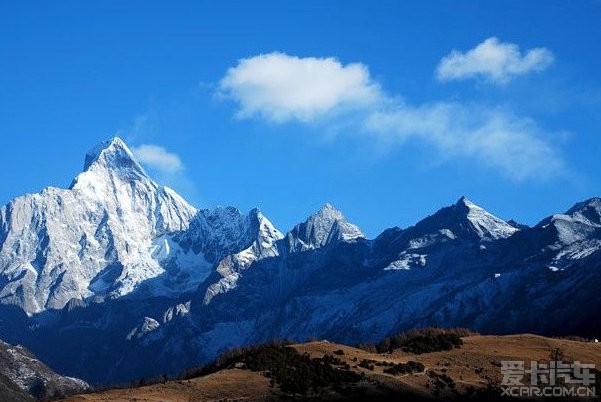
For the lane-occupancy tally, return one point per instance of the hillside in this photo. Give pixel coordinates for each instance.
(470, 370)
(9, 391)
(24, 377)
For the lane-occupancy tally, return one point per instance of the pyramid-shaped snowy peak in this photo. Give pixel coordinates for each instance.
(326, 226)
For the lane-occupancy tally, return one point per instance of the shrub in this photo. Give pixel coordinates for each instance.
(424, 340)
(293, 372)
(441, 380)
(405, 368)
(367, 364)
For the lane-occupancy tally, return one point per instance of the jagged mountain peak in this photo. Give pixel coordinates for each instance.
(105, 164)
(466, 218)
(91, 239)
(266, 227)
(465, 205)
(327, 212)
(222, 231)
(486, 224)
(329, 207)
(466, 202)
(231, 218)
(113, 154)
(325, 226)
(588, 211)
(576, 224)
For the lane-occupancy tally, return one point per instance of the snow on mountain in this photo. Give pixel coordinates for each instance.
(199, 281)
(588, 212)
(463, 222)
(222, 238)
(570, 236)
(326, 226)
(114, 179)
(178, 310)
(263, 244)
(147, 325)
(224, 231)
(93, 239)
(486, 225)
(34, 377)
(465, 219)
(577, 223)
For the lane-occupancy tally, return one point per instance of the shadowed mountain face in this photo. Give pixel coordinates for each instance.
(23, 377)
(125, 273)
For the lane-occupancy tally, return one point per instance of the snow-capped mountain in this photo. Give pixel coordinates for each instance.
(462, 224)
(464, 220)
(227, 240)
(326, 226)
(564, 238)
(125, 273)
(91, 240)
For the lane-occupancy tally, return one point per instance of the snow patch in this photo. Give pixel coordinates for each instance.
(406, 261)
(147, 325)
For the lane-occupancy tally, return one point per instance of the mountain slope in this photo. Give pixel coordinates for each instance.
(231, 242)
(9, 391)
(25, 377)
(326, 226)
(91, 240)
(471, 372)
(460, 228)
(123, 272)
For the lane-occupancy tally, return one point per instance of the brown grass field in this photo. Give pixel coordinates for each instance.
(474, 366)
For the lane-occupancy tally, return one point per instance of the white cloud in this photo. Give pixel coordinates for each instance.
(279, 87)
(158, 158)
(495, 61)
(494, 138)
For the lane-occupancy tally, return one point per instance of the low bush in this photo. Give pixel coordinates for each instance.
(424, 340)
(410, 367)
(295, 373)
(367, 364)
(441, 380)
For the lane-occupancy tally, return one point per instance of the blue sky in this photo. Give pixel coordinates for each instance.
(389, 110)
